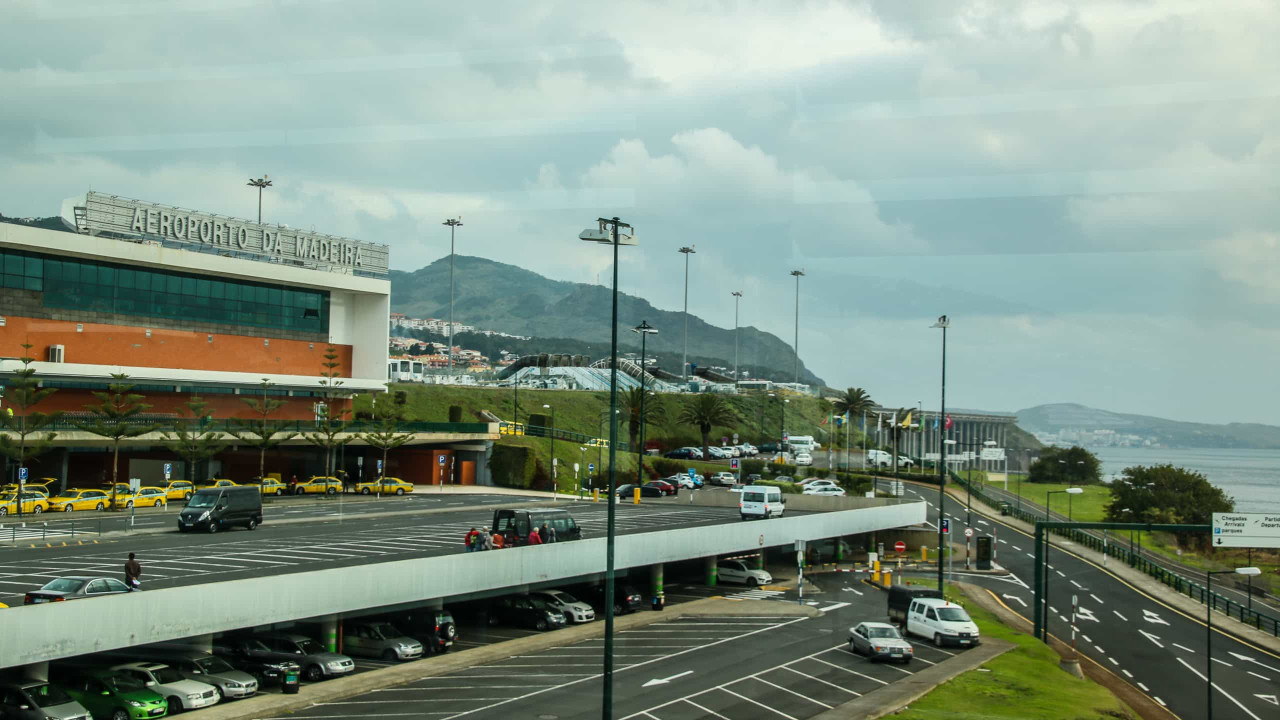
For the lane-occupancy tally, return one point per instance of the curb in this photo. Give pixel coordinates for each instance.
(331, 690)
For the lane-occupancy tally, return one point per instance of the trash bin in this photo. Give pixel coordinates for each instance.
(658, 602)
(289, 683)
(1004, 508)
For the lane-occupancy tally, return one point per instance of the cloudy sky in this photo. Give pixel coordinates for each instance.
(1086, 188)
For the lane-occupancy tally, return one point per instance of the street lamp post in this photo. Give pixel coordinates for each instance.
(1208, 627)
(737, 296)
(943, 323)
(259, 183)
(782, 427)
(554, 484)
(684, 357)
(602, 236)
(762, 402)
(1069, 492)
(582, 462)
(645, 330)
(798, 274)
(454, 224)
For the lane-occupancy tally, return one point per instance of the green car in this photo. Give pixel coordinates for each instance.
(115, 696)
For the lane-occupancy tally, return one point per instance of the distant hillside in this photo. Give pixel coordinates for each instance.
(496, 296)
(47, 223)
(1069, 416)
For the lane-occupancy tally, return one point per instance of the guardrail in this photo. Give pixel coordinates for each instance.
(166, 424)
(19, 531)
(1185, 586)
(567, 435)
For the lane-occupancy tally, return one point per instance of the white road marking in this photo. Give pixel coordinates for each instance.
(1184, 647)
(1144, 687)
(1015, 547)
(1263, 677)
(1100, 650)
(1073, 582)
(1215, 687)
(1086, 638)
(1153, 638)
(1120, 616)
(1003, 542)
(1096, 599)
(1223, 662)
(1015, 597)
(836, 606)
(1159, 701)
(1153, 617)
(1113, 661)
(1060, 573)
(1127, 673)
(1246, 658)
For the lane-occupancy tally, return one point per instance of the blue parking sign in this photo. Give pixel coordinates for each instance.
(22, 474)
(946, 525)
(442, 460)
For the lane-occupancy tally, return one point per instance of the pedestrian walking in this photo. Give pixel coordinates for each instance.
(133, 573)
(293, 485)
(469, 540)
(534, 539)
(548, 533)
(486, 540)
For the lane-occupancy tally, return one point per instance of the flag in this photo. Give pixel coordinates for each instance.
(906, 422)
(948, 421)
(935, 422)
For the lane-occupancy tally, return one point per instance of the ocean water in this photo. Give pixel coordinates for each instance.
(1252, 477)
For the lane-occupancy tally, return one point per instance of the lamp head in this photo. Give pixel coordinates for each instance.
(1074, 491)
(1248, 571)
(943, 322)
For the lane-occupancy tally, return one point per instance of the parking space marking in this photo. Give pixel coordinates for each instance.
(757, 678)
(824, 682)
(744, 697)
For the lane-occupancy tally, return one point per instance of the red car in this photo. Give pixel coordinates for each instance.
(666, 487)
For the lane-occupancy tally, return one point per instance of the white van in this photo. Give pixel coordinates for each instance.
(763, 501)
(879, 458)
(802, 443)
(941, 621)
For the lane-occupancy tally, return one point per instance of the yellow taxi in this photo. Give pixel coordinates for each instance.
(36, 488)
(31, 503)
(217, 482)
(145, 497)
(386, 486)
(79, 499)
(178, 489)
(317, 485)
(272, 486)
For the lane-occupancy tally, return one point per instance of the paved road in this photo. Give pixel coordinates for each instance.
(1156, 648)
(172, 559)
(733, 668)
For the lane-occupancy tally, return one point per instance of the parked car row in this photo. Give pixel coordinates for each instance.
(714, 452)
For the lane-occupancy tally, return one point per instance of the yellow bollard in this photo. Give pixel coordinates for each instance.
(595, 495)
(924, 553)
(636, 496)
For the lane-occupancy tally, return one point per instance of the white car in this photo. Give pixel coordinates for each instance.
(681, 481)
(724, 478)
(695, 453)
(804, 458)
(811, 483)
(749, 449)
(575, 611)
(828, 490)
(179, 692)
(904, 461)
(736, 571)
(720, 453)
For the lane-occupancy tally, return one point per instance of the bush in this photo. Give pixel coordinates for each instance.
(786, 487)
(511, 466)
(667, 466)
(776, 469)
(1066, 466)
(455, 413)
(753, 466)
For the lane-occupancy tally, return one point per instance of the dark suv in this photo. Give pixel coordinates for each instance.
(435, 629)
(625, 598)
(525, 611)
(317, 663)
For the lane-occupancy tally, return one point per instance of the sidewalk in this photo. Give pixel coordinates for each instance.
(1138, 580)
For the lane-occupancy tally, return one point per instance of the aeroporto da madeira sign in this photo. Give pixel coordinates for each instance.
(269, 243)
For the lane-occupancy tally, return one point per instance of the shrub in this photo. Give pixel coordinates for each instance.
(750, 466)
(455, 413)
(511, 466)
(786, 487)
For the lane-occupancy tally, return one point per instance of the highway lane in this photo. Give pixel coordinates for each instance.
(173, 559)
(1154, 647)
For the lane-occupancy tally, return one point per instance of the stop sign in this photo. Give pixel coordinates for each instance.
(900, 546)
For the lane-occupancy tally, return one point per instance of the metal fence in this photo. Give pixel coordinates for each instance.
(166, 424)
(1183, 585)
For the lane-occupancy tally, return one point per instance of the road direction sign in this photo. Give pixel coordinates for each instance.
(591, 467)
(900, 546)
(1247, 530)
(968, 532)
(735, 438)
(693, 472)
(946, 525)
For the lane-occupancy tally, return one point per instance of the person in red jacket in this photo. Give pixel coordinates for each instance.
(469, 540)
(533, 537)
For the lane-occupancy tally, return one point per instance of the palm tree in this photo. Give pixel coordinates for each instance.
(705, 411)
(654, 413)
(853, 401)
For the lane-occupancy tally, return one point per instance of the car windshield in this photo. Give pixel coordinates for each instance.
(563, 597)
(384, 631)
(213, 664)
(166, 675)
(202, 501)
(539, 602)
(310, 647)
(123, 683)
(67, 585)
(953, 614)
(882, 632)
(47, 695)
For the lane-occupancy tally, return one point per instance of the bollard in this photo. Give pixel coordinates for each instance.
(595, 495)
(924, 553)
(635, 496)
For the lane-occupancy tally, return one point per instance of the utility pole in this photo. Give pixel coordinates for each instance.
(453, 226)
(798, 274)
(684, 357)
(943, 322)
(259, 183)
(645, 330)
(737, 296)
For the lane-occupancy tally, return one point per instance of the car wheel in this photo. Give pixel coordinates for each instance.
(252, 524)
(314, 674)
(4, 511)
(187, 496)
(937, 639)
(129, 504)
(331, 491)
(399, 491)
(540, 625)
(751, 582)
(99, 508)
(221, 696)
(175, 705)
(160, 504)
(853, 648)
(119, 714)
(38, 509)
(365, 491)
(66, 508)
(213, 527)
(389, 655)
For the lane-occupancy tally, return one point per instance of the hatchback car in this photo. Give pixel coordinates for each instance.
(318, 486)
(879, 641)
(628, 490)
(804, 458)
(115, 696)
(827, 490)
(78, 499)
(575, 611)
(385, 486)
(37, 700)
(74, 587)
(525, 611)
(380, 640)
(32, 502)
(736, 571)
(178, 692)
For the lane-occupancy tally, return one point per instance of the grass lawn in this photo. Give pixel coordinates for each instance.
(1022, 684)
(1089, 506)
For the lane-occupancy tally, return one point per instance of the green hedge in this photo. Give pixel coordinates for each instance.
(511, 466)
(786, 487)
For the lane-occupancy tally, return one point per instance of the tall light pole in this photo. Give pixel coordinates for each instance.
(798, 274)
(602, 235)
(554, 483)
(684, 357)
(943, 322)
(259, 183)
(645, 330)
(454, 224)
(1208, 627)
(737, 296)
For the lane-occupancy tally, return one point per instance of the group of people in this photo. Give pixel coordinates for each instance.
(479, 540)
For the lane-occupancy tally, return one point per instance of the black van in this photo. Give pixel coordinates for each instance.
(514, 525)
(216, 508)
(900, 598)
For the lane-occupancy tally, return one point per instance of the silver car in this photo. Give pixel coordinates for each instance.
(380, 640)
(34, 700)
(879, 641)
(574, 610)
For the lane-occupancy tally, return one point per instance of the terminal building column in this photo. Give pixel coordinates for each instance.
(711, 571)
(329, 632)
(655, 581)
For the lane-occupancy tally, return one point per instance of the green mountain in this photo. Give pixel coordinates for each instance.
(1057, 417)
(495, 296)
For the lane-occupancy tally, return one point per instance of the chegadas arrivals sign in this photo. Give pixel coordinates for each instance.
(270, 243)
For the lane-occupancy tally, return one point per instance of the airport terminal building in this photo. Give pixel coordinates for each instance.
(186, 302)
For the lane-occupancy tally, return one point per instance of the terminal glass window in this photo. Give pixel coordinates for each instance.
(106, 287)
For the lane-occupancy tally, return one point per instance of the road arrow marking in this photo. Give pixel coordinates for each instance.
(1269, 698)
(1152, 617)
(1152, 637)
(849, 589)
(1085, 613)
(1015, 597)
(1246, 658)
(664, 681)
